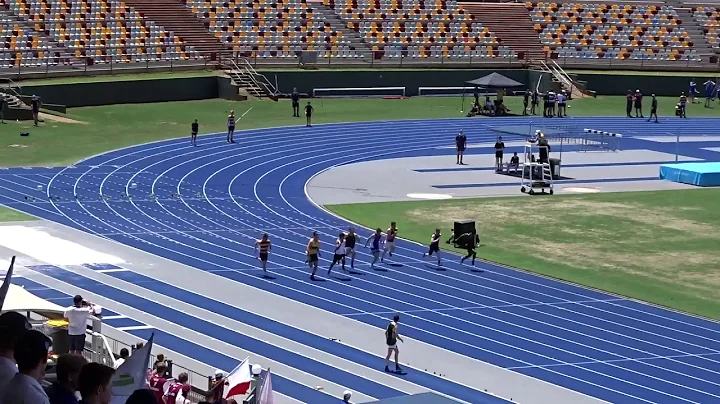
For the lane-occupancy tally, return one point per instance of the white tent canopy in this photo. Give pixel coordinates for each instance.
(20, 300)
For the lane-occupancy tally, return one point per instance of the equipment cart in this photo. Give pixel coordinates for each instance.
(535, 175)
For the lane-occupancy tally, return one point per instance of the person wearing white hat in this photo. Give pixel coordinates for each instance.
(346, 397)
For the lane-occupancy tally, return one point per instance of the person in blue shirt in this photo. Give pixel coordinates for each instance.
(692, 90)
(709, 90)
(67, 370)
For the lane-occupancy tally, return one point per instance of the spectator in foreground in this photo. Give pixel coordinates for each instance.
(68, 370)
(346, 397)
(94, 383)
(77, 316)
(142, 396)
(31, 355)
(12, 325)
(157, 382)
(124, 354)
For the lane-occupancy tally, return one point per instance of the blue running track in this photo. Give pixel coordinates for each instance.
(204, 206)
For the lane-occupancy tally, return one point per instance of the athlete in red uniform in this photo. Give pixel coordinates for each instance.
(178, 391)
(157, 383)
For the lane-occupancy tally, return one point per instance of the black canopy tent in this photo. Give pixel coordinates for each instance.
(493, 81)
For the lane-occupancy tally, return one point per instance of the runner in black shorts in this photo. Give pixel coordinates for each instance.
(308, 113)
(262, 248)
(193, 132)
(434, 246)
(391, 339)
(313, 253)
(339, 257)
(350, 240)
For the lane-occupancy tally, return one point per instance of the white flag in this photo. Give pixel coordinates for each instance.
(6, 283)
(132, 374)
(266, 391)
(237, 382)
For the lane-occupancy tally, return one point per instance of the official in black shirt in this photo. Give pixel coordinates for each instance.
(629, 98)
(526, 101)
(460, 144)
(543, 150)
(295, 103)
(35, 103)
(308, 113)
(193, 132)
(535, 102)
(653, 109)
(499, 149)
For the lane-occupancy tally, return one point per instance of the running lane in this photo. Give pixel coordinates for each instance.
(205, 206)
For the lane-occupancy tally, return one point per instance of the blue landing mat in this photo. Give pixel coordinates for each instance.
(700, 174)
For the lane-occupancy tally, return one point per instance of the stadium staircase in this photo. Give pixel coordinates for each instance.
(329, 16)
(244, 77)
(511, 23)
(179, 20)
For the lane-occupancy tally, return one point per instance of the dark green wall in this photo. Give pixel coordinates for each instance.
(648, 84)
(125, 92)
(305, 81)
(200, 88)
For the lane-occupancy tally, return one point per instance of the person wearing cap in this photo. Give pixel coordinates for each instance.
(67, 371)
(12, 326)
(218, 387)
(346, 397)
(77, 316)
(95, 383)
(638, 104)
(31, 355)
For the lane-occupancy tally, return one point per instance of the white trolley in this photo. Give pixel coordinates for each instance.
(535, 175)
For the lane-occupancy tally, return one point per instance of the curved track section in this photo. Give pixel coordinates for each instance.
(204, 207)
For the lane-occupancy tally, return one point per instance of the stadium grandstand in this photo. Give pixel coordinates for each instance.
(77, 35)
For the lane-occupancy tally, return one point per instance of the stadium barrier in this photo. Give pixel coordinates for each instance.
(358, 92)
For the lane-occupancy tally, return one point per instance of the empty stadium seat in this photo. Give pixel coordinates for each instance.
(271, 29)
(709, 18)
(418, 29)
(615, 31)
(104, 31)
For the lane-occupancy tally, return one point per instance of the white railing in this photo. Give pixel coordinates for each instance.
(246, 69)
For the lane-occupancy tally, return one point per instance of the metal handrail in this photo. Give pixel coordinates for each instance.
(247, 68)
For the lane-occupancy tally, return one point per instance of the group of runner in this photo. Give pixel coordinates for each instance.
(344, 248)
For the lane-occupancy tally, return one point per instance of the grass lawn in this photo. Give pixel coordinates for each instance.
(661, 246)
(11, 215)
(110, 127)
